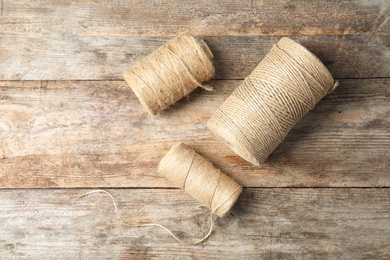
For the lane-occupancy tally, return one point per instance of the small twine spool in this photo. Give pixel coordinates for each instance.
(258, 115)
(171, 72)
(190, 171)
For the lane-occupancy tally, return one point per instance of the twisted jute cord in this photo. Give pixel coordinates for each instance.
(190, 171)
(258, 115)
(171, 72)
(126, 222)
(197, 176)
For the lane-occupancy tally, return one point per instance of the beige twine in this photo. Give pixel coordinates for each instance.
(127, 223)
(197, 176)
(193, 173)
(258, 115)
(171, 72)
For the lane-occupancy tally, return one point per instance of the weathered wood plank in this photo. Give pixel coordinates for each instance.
(135, 18)
(264, 224)
(87, 58)
(94, 134)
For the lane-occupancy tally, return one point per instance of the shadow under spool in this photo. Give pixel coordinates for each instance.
(190, 171)
(258, 115)
(171, 72)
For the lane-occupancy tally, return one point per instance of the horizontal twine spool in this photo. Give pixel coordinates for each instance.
(258, 115)
(171, 72)
(188, 170)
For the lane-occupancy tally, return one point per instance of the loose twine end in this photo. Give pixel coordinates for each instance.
(207, 88)
(126, 223)
(336, 84)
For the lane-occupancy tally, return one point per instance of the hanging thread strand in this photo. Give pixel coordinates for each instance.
(126, 223)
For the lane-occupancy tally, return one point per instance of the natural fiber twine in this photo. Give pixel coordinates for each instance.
(171, 72)
(258, 115)
(197, 176)
(193, 173)
(128, 223)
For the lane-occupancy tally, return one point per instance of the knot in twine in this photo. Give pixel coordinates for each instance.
(171, 72)
(258, 115)
(197, 176)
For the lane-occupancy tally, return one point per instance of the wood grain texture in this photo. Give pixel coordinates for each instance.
(156, 17)
(264, 224)
(106, 58)
(58, 133)
(97, 134)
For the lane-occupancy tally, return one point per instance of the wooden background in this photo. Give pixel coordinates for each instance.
(68, 124)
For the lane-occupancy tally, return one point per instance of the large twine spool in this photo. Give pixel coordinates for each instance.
(190, 171)
(171, 72)
(258, 115)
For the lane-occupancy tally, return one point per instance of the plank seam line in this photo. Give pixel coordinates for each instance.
(174, 188)
(120, 80)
